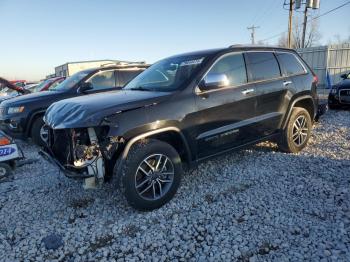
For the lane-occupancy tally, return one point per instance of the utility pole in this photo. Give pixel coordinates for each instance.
(252, 34)
(304, 27)
(290, 21)
(314, 4)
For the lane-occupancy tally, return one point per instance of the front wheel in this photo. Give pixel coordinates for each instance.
(151, 174)
(5, 170)
(297, 132)
(39, 132)
(333, 107)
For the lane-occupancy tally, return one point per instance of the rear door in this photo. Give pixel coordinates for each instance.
(271, 90)
(224, 115)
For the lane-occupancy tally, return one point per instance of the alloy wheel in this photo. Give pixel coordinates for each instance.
(154, 177)
(44, 133)
(300, 131)
(3, 172)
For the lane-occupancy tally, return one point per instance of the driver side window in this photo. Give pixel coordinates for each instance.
(103, 80)
(233, 66)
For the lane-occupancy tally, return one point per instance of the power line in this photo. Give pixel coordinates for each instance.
(268, 12)
(330, 11)
(315, 18)
(264, 11)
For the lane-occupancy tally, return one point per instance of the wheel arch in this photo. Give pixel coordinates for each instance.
(32, 118)
(304, 101)
(171, 135)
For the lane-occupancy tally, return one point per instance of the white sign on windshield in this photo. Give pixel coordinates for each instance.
(192, 62)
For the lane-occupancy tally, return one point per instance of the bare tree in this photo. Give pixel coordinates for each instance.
(312, 35)
(338, 40)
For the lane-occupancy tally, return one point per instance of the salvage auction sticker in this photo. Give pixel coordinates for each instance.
(8, 152)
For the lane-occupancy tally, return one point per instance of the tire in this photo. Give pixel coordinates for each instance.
(143, 188)
(333, 107)
(292, 141)
(36, 134)
(5, 171)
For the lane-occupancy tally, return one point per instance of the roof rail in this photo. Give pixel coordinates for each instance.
(124, 63)
(251, 45)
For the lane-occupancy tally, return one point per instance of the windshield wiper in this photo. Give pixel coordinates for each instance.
(140, 88)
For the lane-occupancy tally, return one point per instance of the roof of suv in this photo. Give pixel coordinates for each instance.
(117, 67)
(235, 48)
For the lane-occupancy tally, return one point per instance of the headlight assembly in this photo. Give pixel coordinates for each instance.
(15, 110)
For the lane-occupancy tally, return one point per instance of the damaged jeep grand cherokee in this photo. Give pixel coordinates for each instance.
(183, 109)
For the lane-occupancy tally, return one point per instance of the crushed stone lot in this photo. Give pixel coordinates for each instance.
(256, 204)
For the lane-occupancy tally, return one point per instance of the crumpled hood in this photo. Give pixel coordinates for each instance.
(89, 110)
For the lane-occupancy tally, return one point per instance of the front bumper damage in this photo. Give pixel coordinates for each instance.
(83, 153)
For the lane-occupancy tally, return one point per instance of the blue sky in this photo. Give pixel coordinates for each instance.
(38, 35)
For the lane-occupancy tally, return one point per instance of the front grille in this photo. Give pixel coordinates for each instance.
(344, 96)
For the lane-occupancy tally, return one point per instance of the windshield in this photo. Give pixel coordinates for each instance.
(5, 91)
(42, 85)
(166, 75)
(70, 81)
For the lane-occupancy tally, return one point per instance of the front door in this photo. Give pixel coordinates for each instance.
(225, 115)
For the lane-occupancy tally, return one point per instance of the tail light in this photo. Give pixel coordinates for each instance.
(315, 79)
(4, 141)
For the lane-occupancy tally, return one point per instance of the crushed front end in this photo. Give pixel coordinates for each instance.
(86, 153)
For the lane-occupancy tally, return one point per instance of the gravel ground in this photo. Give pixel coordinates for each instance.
(253, 205)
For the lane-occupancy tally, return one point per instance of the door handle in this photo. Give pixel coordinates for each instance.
(287, 83)
(247, 91)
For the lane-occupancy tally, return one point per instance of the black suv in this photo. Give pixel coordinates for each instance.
(340, 93)
(22, 117)
(183, 109)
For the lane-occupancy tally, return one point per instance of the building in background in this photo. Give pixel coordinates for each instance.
(71, 68)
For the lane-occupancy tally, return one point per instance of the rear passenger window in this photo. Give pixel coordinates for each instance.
(125, 76)
(290, 64)
(262, 66)
(233, 67)
(103, 80)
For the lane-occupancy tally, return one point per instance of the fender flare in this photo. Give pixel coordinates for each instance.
(292, 104)
(154, 132)
(132, 141)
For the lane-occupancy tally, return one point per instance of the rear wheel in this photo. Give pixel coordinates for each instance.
(151, 174)
(297, 132)
(39, 132)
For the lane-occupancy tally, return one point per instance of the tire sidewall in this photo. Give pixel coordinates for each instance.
(8, 171)
(136, 155)
(297, 112)
(35, 132)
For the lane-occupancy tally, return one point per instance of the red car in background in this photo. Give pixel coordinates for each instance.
(20, 83)
(50, 83)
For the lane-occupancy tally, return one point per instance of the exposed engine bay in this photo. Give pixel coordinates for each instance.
(86, 152)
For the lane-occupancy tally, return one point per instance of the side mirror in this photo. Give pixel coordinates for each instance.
(214, 81)
(84, 87)
(344, 76)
